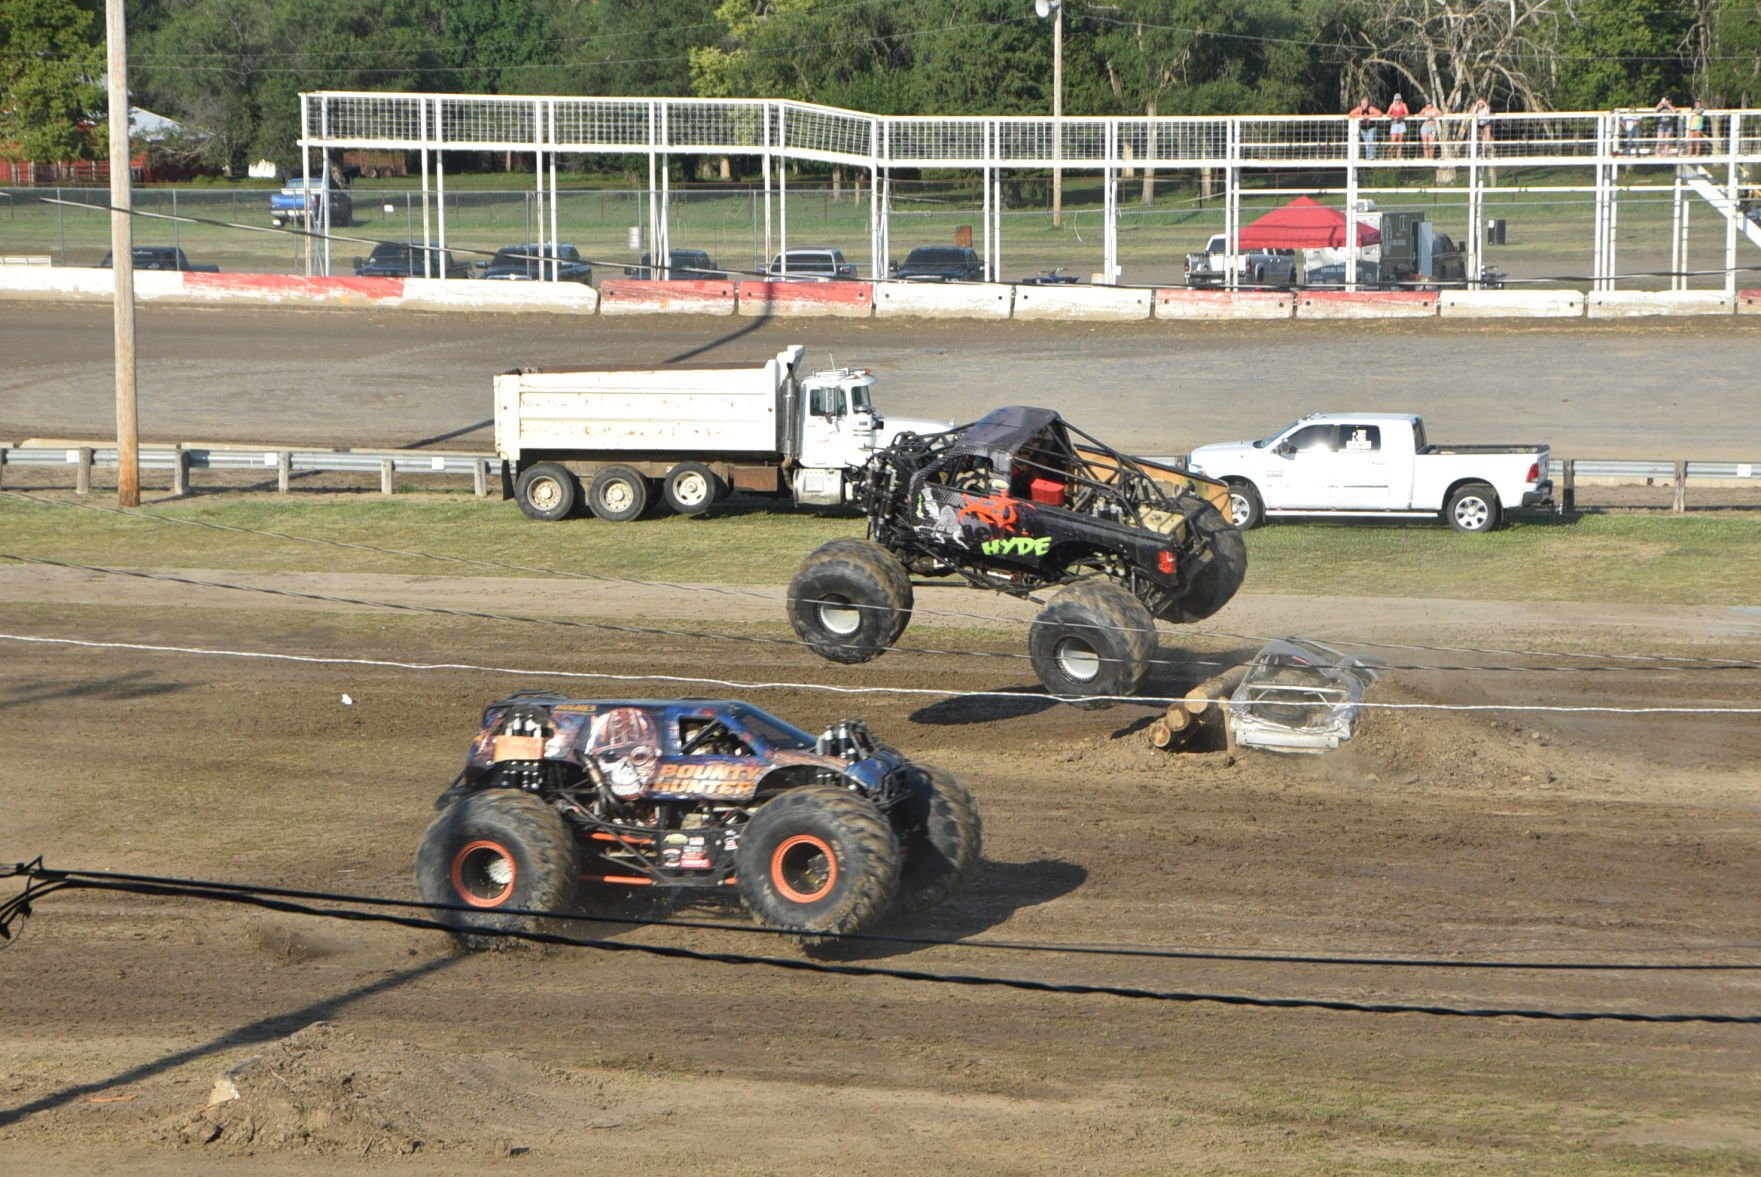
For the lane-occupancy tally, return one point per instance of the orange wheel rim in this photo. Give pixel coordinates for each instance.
(803, 869)
(484, 874)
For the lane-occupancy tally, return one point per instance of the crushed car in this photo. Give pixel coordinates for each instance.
(565, 804)
(1299, 696)
(1018, 502)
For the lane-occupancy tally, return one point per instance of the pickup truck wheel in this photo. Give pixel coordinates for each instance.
(1094, 639)
(1218, 582)
(691, 488)
(618, 494)
(1246, 510)
(818, 858)
(492, 851)
(1473, 507)
(547, 491)
(940, 837)
(850, 600)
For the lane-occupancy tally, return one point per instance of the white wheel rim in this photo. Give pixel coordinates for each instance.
(1471, 513)
(617, 496)
(691, 489)
(1237, 509)
(545, 493)
(838, 616)
(1078, 660)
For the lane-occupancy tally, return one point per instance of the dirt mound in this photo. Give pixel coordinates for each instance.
(306, 1093)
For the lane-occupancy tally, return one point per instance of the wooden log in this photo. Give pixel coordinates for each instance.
(1213, 690)
(1173, 729)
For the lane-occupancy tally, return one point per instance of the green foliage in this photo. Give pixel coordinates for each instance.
(1734, 73)
(1618, 54)
(50, 57)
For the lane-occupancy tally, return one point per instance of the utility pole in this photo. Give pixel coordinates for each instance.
(122, 260)
(1055, 10)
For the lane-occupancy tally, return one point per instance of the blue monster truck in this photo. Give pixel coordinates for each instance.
(566, 801)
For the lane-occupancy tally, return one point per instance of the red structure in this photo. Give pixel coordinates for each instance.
(1303, 224)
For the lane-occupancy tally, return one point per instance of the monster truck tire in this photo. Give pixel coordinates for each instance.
(547, 491)
(850, 600)
(1473, 507)
(618, 494)
(691, 488)
(818, 858)
(494, 850)
(940, 838)
(1219, 581)
(1094, 639)
(1246, 509)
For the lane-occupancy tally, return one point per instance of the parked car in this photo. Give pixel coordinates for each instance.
(682, 265)
(814, 265)
(1255, 267)
(301, 201)
(941, 263)
(161, 257)
(1374, 464)
(399, 259)
(531, 263)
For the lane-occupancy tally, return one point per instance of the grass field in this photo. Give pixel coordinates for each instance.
(1549, 232)
(1611, 558)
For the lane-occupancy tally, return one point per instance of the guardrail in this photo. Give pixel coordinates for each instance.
(481, 468)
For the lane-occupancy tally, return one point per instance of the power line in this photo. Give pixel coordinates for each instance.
(173, 888)
(738, 685)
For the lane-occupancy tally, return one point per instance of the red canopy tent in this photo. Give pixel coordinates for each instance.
(1303, 224)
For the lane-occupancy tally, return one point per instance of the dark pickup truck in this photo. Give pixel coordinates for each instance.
(161, 257)
(396, 259)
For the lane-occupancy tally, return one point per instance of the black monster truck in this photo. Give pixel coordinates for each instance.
(563, 801)
(1020, 501)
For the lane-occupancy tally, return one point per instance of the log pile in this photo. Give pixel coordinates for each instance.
(1201, 718)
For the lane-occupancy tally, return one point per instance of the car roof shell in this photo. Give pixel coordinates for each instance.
(1000, 433)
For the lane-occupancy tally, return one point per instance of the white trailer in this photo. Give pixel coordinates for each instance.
(687, 433)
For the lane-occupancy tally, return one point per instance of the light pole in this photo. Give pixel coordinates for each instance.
(1055, 10)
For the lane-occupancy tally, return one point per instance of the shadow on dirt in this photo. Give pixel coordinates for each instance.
(137, 685)
(964, 709)
(996, 891)
(267, 1029)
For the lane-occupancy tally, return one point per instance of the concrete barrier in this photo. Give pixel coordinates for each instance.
(1511, 304)
(1749, 302)
(1075, 303)
(1367, 304)
(289, 288)
(763, 299)
(1180, 302)
(1630, 304)
(77, 284)
(627, 296)
(944, 300)
(456, 294)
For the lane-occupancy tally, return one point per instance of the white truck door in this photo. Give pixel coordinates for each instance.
(1301, 472)
(823, 408)
(1361, 479)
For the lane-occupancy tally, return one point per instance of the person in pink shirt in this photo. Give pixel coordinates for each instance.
(1397, 126)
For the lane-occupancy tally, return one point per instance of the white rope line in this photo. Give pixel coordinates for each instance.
(734, 684)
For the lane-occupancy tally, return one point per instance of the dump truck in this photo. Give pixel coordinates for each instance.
(620, 437)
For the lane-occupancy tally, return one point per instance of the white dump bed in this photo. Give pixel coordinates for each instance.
(695, 408)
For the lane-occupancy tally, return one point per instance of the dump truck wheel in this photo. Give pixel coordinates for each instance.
(618, 494)
(817, 859)
(1219, 581)
(1473, 507)
(691, 488)
(850, 600)
(492, 851)
(940, 838)
(547, 491)
(1094, 639)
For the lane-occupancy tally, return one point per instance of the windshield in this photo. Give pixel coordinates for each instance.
(1267, 440)
(934, 257)
(774, 732)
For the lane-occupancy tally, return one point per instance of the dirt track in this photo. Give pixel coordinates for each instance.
(1470, 836)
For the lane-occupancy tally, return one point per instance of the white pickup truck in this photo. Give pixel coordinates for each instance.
(685, 433)
(1373, 464)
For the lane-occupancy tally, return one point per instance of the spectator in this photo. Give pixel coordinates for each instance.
(1629, 131)
(1369, 115)
(1430, 126)
(1397, 127)
(1696, 120)
(1483, 124)
(1665, 126)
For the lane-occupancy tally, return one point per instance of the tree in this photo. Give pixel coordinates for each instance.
(1452, 51)
(1615, 53)
(49, 62)
(1733, 65)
